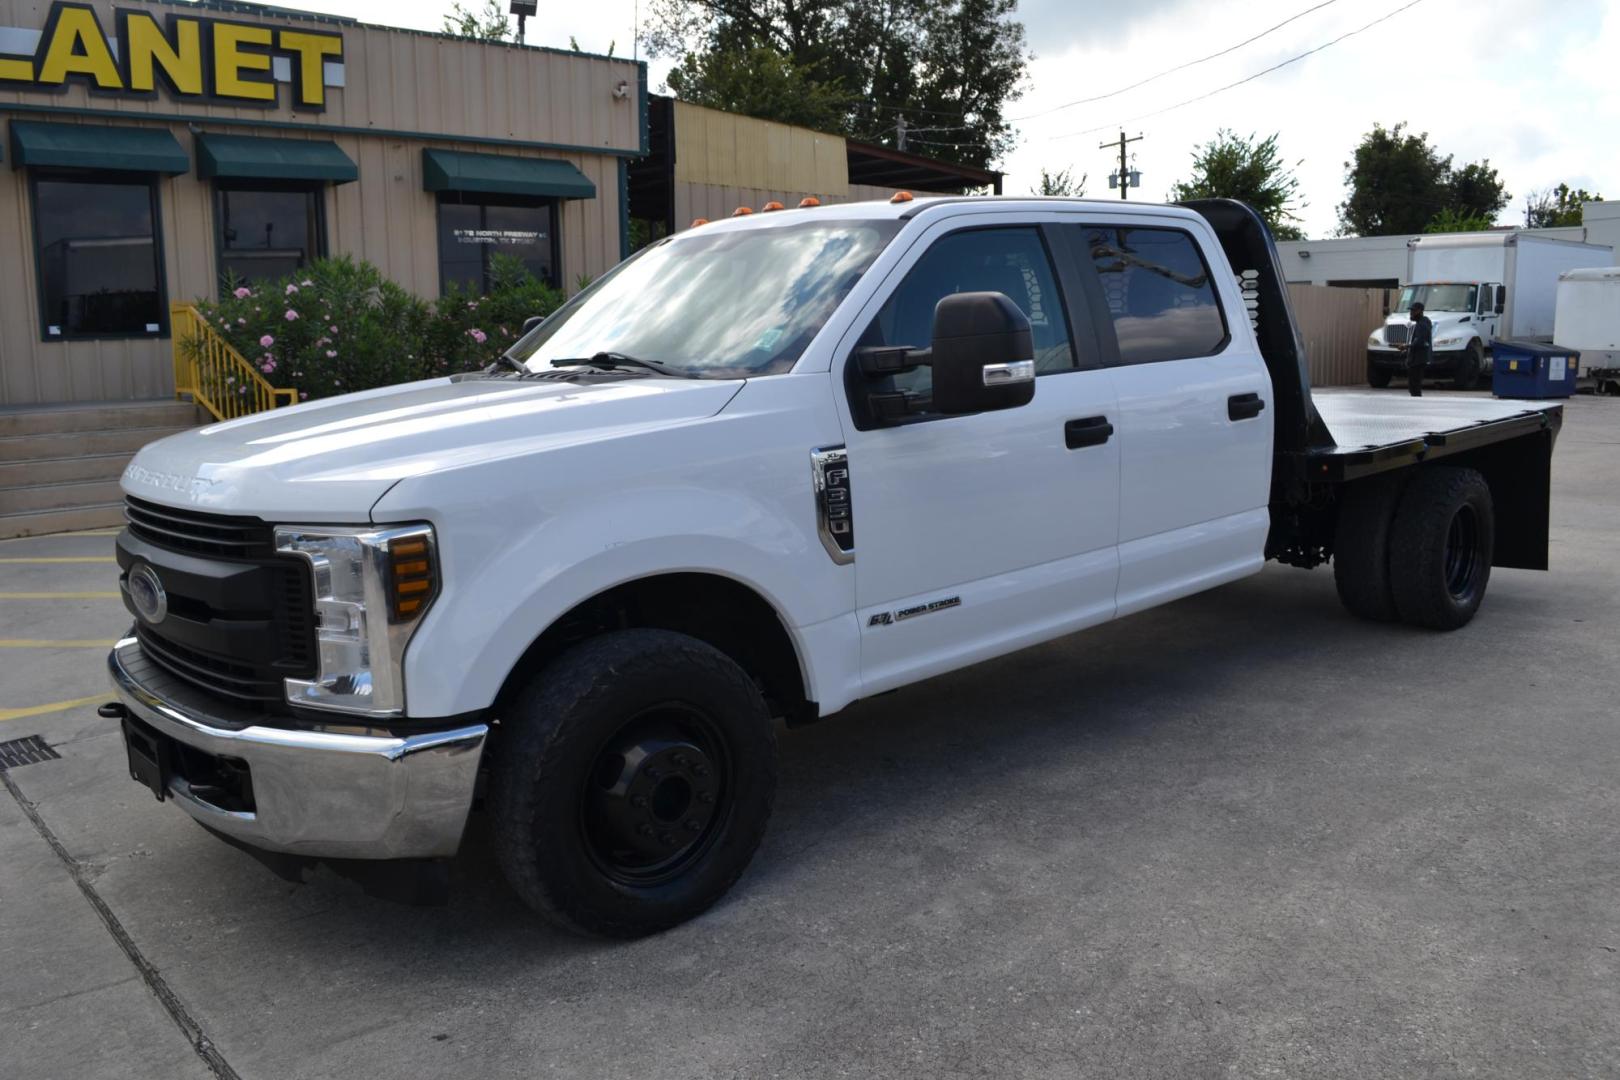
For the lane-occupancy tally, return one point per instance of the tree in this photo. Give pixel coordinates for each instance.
(1061, 182)
(1230, 166)
(1476, 191)
(948, 67)
(487, 25)
(757, 82)
(1559, 206)
(1453, 220)
(1400, 184)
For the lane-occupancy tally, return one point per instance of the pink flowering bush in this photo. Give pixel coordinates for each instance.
(338, 325)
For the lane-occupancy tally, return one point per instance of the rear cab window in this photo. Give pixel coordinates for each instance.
(1158, 290)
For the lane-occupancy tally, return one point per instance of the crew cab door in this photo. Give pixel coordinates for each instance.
(978, 534)
(1194, 412)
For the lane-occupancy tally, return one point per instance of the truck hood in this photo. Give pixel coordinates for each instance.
(331, 460)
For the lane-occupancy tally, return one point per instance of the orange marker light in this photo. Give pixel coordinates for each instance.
(411, 578)
(808, 201)
(699, 221)
(742, 211)
(900, 196)
(772, 205)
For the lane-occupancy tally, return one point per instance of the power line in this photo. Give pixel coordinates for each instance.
(1275, 67)
(1173, 70)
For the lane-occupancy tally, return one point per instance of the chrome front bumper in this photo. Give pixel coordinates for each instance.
(343, 792)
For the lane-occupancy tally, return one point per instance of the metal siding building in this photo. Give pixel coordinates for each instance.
(385, 99)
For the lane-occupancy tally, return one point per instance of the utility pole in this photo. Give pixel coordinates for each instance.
(900, 132)
(1124, 169)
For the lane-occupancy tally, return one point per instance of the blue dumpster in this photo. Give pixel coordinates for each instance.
(1530, 369)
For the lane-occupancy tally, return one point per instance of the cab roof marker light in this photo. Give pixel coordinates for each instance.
(742, 211)
(901, 197)
(768, 207)
(699, 221)
(808, 201)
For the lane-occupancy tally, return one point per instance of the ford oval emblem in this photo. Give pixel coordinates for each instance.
(146, 595)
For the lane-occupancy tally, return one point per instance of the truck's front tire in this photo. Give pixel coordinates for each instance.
(1377, 377)
(1441, 544)
(632, 782)
(1470, 366)
(1361, 546)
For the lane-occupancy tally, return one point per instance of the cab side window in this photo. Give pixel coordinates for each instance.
(1158, 290)
(1011, 261)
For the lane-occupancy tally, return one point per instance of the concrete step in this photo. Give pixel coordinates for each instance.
(98, 416)
(41, 522)
(40, 497)
(62, 470)
(80, 443)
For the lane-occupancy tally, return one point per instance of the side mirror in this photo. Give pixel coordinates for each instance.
(532, 321)
(1501, 299)
(983, 354)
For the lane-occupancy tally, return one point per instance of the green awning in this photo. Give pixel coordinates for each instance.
(248, 157)
(87, 146)
(456, 170)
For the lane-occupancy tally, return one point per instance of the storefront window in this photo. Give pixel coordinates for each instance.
(99, 272)
(267, 232)
(470, 232)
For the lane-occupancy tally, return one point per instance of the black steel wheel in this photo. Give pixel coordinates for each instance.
(631, 782)
(1441, 544)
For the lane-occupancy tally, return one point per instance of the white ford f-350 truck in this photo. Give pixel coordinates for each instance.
(758, 471)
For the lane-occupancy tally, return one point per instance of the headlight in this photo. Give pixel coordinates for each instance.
(1448, 341)
(1374, 339)
(372, 587)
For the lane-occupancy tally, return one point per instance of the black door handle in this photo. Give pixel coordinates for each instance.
(1092, 431)
(1244, 406)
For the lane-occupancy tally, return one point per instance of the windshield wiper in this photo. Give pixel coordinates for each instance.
(504, 360)
(613, 360)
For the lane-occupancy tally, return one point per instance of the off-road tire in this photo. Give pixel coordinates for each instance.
(1361, 546)
(1438, 576)
(550, 741)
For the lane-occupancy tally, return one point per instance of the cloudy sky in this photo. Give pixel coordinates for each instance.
(1528, 84)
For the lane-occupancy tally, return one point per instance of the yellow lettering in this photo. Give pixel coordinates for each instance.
(76, 46)
(231, 61)
(311, 51)
(147, 48)
(16, 69)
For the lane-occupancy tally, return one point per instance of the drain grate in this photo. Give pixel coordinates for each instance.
(25, 752)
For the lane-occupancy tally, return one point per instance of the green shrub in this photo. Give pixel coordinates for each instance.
(338, 325)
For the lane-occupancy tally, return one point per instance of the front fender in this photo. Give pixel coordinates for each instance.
(522, 543)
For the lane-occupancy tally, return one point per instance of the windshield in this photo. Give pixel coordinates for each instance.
(1439, 297)
(718, 305)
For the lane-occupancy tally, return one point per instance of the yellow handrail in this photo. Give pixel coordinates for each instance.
(217, 377)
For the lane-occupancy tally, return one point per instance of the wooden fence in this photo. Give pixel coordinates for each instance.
(1335, 323)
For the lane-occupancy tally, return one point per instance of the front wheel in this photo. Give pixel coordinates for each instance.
(1440, 547)
(1377, 377)
(1469, 367)
(632, 783)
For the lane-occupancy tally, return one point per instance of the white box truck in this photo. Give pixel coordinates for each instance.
(1587, 320)
(1475, 288)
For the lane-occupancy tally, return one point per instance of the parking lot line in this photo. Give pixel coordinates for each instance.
(58, 595)
(55, 706)
(37, 643)
(59, 559)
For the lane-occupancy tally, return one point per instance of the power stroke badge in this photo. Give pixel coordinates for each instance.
(889, 618)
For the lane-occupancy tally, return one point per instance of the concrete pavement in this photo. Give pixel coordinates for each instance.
(1245, 835)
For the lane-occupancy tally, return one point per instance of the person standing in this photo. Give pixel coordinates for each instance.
(1419, 349)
